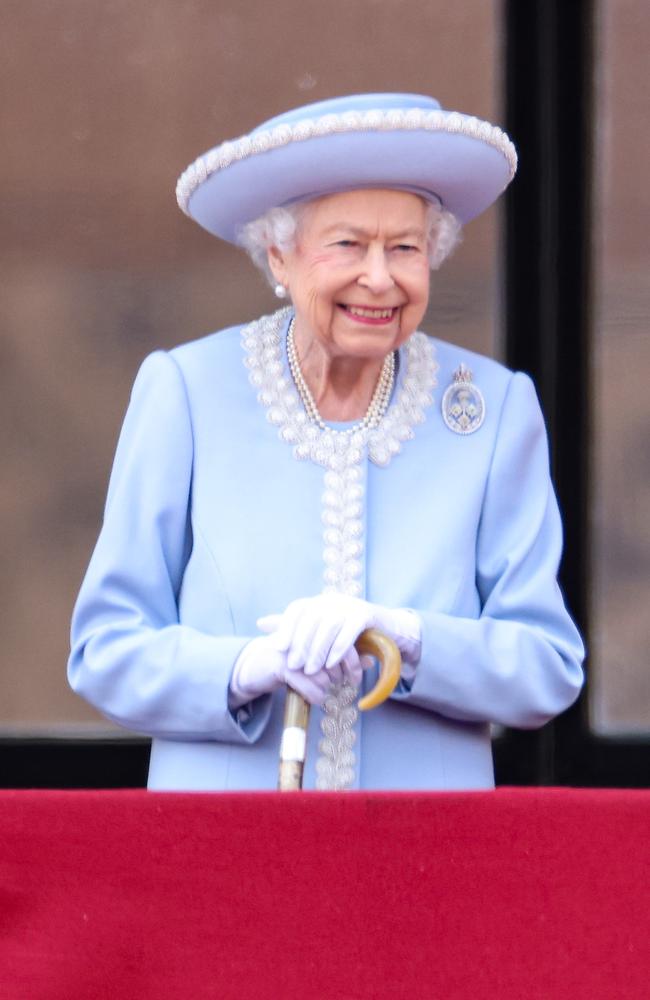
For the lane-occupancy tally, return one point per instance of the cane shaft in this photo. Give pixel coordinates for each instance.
(296, 709)
(294, 742)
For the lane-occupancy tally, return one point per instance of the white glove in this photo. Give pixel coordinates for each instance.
(262, 667)
(318, 632)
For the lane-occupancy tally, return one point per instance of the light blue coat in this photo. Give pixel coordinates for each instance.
(211, 522)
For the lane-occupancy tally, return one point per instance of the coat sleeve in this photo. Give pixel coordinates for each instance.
(519, 662)
(131, 658)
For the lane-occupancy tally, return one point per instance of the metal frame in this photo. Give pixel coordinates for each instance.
(549, 101)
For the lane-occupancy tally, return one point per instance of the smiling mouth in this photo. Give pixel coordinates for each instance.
(364, 312)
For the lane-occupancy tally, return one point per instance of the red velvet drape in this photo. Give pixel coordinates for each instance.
(511, 894)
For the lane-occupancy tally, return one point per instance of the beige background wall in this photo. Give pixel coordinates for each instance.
(104, 103)
(620, 507)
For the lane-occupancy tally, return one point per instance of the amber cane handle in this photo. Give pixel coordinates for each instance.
(296, 709)
(390, 665)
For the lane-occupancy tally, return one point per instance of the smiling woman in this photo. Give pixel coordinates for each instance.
(281, 487)
(358, 278)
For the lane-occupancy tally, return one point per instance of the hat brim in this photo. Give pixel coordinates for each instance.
(463, 163)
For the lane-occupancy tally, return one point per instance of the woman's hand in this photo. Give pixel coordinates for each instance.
(316, 633)
(262, 666)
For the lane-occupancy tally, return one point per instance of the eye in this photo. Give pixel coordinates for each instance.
(346, 244)
(406, 248)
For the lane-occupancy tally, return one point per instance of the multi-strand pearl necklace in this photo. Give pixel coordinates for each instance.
(378, 403)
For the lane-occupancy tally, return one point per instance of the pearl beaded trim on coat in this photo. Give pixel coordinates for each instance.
(263, 344)
(343, 456)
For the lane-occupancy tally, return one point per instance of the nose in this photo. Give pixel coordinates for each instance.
(376, 274)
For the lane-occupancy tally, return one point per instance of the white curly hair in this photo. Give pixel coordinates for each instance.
(278, 228)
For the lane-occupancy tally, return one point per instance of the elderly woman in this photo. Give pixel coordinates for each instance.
(280, 487)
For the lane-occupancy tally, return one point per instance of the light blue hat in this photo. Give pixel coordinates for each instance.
(402, 141)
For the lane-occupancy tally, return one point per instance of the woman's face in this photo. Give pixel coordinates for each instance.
(359, 274)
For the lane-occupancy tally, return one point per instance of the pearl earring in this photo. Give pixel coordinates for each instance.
(280, 291)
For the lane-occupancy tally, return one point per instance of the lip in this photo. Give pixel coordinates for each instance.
(369, 315)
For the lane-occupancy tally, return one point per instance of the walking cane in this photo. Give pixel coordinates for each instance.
(296, 709)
